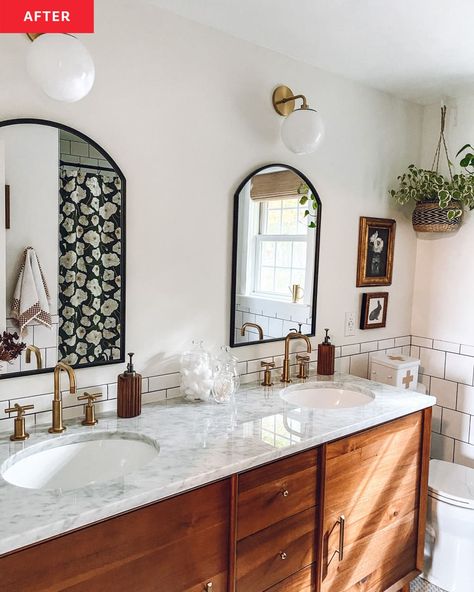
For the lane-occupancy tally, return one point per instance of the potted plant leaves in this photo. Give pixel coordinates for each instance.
(440, 199)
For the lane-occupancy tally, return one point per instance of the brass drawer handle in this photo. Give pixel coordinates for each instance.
(283, 555)
(342, 528)
(285, 493)
(209, 587)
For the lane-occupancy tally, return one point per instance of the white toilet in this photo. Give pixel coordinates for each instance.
(449, 546)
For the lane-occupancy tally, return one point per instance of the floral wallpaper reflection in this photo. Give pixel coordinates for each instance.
(89, 267)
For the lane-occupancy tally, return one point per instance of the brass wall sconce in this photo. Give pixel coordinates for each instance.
(303, 129)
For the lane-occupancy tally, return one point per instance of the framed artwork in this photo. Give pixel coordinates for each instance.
(373, 314)
(376, 245)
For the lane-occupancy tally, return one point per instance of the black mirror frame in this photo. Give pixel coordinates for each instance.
(235, 254)
(119, 172)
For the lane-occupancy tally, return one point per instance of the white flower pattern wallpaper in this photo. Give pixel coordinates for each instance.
(89, 267)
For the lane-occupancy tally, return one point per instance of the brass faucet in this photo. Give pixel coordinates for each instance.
(37, 352)
(285, 377)
(58, 426)
(255, 326)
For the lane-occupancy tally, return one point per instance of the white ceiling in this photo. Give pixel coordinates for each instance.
(421, 50)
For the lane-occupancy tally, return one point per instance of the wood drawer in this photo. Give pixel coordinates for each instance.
(177, 545)
(276, 491)
(302, 581)
(259, 561)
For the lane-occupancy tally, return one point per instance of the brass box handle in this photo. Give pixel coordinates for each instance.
(91, 398)
(342, 528)
(19, 432)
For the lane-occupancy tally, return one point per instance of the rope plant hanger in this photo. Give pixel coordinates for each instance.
(439, 199)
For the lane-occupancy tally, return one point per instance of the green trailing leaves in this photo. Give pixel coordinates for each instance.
(309, 199)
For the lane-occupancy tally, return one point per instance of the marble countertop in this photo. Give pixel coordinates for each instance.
(199, 443)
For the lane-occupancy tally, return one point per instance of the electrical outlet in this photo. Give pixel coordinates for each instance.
(349, 327)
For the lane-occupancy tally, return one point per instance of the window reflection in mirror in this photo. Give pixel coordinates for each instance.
(275, 254)
(62, 271)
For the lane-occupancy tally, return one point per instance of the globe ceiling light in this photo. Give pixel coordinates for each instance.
(61, 66)
(303, 128)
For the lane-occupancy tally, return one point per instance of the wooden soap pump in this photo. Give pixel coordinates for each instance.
(129, 392)
(326, 356)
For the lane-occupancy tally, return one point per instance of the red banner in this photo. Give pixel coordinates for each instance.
(46, 16)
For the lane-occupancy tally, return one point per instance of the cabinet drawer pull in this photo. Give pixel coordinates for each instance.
(209, 587)
(342, 527)
(283, 555)
(285, 493)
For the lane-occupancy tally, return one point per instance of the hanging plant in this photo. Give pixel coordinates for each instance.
(309, 200)
(440, 200)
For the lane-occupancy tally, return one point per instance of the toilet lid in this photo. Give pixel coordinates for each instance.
(452, 483)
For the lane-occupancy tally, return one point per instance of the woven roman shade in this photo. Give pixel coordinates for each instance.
(277, 185)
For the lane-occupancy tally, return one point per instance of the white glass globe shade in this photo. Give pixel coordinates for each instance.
(61, 66)
(302, 131)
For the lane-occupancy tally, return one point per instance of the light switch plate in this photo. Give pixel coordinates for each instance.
(349, 327)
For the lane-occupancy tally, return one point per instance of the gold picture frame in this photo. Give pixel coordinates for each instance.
(376, 248)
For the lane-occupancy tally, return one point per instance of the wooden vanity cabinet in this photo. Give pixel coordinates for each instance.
(177, 545)
(375, 490)
(348, 516)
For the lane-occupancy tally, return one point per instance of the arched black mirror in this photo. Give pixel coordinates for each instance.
(62, 229)
(277, 222)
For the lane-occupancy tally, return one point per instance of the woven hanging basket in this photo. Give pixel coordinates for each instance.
(429, 217)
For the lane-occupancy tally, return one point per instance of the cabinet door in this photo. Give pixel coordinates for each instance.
(177, 545)
(371, 507)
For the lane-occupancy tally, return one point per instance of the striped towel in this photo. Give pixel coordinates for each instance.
(31, 297)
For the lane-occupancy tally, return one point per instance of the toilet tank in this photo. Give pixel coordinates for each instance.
(395, 369)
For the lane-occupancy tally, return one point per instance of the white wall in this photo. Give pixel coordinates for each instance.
(444, 286)
(3, 309)
(31, 170)
(186, 112)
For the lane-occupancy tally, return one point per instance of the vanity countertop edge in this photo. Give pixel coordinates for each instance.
(199, 443)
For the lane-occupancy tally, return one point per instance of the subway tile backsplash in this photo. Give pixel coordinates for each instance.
(447, 371)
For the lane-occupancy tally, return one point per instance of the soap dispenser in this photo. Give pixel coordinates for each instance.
(326, 356)
(129, 392)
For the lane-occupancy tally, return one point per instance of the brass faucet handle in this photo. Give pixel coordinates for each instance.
(19, 432)
(267, 375)
(89, 397)
(19, 409)
(303, 363)
(89, 419)
(302, 357)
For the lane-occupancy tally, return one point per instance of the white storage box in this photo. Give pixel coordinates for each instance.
(395, 369)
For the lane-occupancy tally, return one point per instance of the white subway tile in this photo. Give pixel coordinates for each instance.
(401, 341)
(153, 397)
(45, 337)
(467, 350)
(446, 346)
(444, 391)
(342, 365)
(436, 422)
(350, 350)
(369, 346)
(422, 341)
(465, 399)
(455, 424)
(464, 454)
(459, 368)
(432, 362)
(359, 365)
(158, 383)
(414, 351)
(386, 343)
(173, 393)
(442, 447)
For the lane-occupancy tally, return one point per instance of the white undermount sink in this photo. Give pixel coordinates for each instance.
(327, 396)
(67, 463)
